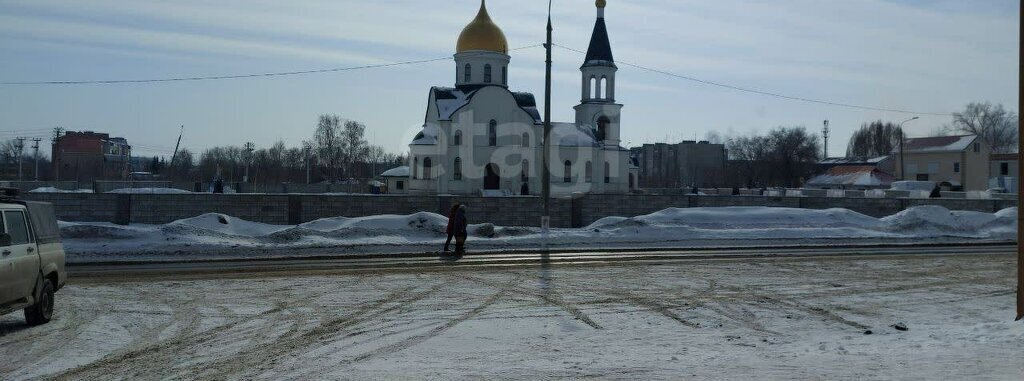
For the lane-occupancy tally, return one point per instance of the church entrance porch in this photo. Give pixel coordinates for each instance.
(492, 177)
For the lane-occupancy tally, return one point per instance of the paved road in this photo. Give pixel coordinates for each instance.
(793, 314)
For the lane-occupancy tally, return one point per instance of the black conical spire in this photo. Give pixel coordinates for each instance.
(600, 51)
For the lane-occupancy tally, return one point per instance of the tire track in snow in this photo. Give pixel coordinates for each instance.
(551, 297)
(264, 356)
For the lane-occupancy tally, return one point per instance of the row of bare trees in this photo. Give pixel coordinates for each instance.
(993, 123)
(785, 156)
(337, 151)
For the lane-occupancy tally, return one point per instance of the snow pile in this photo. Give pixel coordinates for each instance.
(55, 190)
(419, 222)
(212, 231)
(936, 220)
(150, 191)
(224, 224)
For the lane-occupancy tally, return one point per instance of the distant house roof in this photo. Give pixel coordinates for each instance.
(402, 171)
(853, 176)
(853, 160)
(938, 144)
(1004, 157)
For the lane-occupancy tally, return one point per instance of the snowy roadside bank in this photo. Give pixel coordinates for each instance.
(224, 236)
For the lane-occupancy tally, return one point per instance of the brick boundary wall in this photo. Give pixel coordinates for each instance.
(504, 211)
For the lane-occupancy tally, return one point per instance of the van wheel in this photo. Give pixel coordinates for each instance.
(41, 312)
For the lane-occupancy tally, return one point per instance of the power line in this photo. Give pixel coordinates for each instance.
(240, 76)
(760, 92)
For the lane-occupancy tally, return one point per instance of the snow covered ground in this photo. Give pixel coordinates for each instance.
(220, 236)
(736, 319)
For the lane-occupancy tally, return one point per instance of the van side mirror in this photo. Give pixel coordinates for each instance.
(5, 239)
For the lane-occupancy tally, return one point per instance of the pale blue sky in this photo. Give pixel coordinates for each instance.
(924, 55)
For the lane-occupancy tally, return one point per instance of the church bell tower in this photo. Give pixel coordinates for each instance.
(597, 109)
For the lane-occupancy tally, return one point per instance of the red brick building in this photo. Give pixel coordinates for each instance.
(88, 156)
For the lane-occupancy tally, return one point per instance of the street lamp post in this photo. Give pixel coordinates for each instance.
(546, 170)
(903, 166)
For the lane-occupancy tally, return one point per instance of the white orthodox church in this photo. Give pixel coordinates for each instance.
(479, 137)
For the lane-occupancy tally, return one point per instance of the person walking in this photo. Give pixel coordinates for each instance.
(461, 223)
(451, 223)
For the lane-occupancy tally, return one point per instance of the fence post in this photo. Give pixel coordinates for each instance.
(123, 215)
(294, 209)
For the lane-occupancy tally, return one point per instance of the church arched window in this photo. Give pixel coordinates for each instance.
(567, 177)
(602, 128)
(526, 139)
(607, 173)
(526, 170)
(588, 174)
(504, 75)
(426, 168)
(415, 167)
(457, 140)
(593, 88)
(492, 133)
(487, 73)
(467, 74)
(602, 89)
(457, 169)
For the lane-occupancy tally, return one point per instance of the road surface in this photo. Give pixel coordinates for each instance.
(666, 315)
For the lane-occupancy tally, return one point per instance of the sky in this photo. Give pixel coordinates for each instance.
(925, 56)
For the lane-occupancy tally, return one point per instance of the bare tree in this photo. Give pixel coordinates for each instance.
(795, 151)
(354, 145)
(329, 144)
(992, 123)
(874, 139)
(749, 152)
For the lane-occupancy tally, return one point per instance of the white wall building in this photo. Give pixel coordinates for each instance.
(480, 137)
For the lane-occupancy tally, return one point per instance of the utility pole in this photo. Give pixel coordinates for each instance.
(545, 220)
(248, 159)
(35, 147)
(57, 131)
(1020, 174)
(305, 153)
(824, 133)
(20, 145)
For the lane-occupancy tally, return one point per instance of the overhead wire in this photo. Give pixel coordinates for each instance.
(761, 92)
(239, 76)
(446, 58)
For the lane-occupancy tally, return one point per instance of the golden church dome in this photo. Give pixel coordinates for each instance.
(482, 34)
(601, 3)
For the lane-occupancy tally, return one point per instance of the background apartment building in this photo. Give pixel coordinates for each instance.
(685, 164)
(88, 156)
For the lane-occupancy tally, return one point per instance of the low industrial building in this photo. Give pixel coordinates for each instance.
(1003, 171)
(851, 177)
(952, 162)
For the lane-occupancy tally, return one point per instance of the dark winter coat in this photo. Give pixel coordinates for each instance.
(459, 228)
(451, 221)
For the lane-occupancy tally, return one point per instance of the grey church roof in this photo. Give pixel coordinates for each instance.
(571, 135)
(451, 99)
(600, 51)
